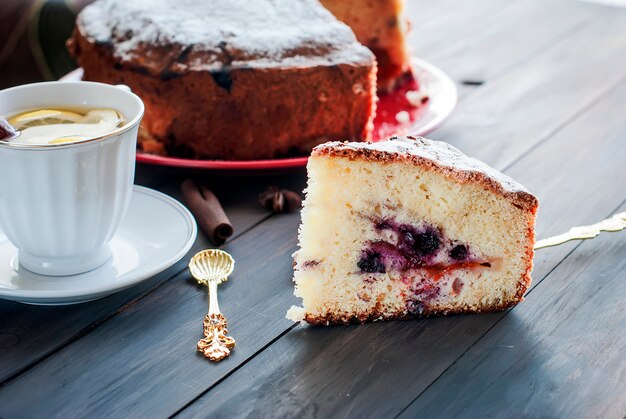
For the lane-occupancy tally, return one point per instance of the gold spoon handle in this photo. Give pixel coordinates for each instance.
(215, 345)
(615, 223)
(214, 307)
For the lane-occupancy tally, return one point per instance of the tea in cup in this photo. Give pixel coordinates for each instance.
(66, 176)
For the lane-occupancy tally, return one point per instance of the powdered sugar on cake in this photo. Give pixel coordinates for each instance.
(450, 160)
(234, 32)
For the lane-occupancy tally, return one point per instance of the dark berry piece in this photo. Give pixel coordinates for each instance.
(414, 262)
(371, 262)
(406, 239)
(427, 242)
(384, 225)
(459, 252)
(409, 238)
(222, 78)
(391, 257)
(414, 307)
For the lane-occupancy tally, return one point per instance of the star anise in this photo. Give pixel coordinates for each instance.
(280, 200)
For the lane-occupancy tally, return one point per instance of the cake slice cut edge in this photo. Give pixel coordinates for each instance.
(383, 27)
(409, 227)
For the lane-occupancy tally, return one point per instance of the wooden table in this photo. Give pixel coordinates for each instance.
(543, 98)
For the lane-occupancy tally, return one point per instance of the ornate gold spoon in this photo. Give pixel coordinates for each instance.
(615, 223)
(211, 268)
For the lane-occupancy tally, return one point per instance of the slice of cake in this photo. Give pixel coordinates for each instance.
(381, 26)
(229, 79)
(409, 227)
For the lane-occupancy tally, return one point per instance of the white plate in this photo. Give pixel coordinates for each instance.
(156, 232)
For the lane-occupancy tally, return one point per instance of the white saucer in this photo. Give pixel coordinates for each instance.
(156, 232)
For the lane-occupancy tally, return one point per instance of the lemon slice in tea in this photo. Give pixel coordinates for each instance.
(66, 140)
(44, 117)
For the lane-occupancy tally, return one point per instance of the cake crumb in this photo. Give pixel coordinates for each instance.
(403, 117)
(296, 314)
(416, 98)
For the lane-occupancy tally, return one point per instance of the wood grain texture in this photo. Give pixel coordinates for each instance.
(505, 35)
(345, 371)
(30, 333)
(436, 24)
(511, 114)
(144, 358)
(550, 112)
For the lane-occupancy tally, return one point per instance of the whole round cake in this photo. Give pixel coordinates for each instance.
(230, 80)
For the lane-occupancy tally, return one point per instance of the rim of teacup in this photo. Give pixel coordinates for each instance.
(115, 133)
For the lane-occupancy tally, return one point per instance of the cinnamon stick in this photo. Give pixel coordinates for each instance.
(207, 210)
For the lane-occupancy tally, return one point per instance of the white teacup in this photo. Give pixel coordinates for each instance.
(61, 204)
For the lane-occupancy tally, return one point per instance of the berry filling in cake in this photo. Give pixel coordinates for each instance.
(426, 263)
(404, 246)
(419, 255)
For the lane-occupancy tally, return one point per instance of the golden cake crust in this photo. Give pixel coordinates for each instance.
(433, 155)
(376, 315)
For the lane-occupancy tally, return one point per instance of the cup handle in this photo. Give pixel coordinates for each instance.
(123, 87)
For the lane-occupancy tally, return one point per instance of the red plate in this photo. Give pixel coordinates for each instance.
(394, 115)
